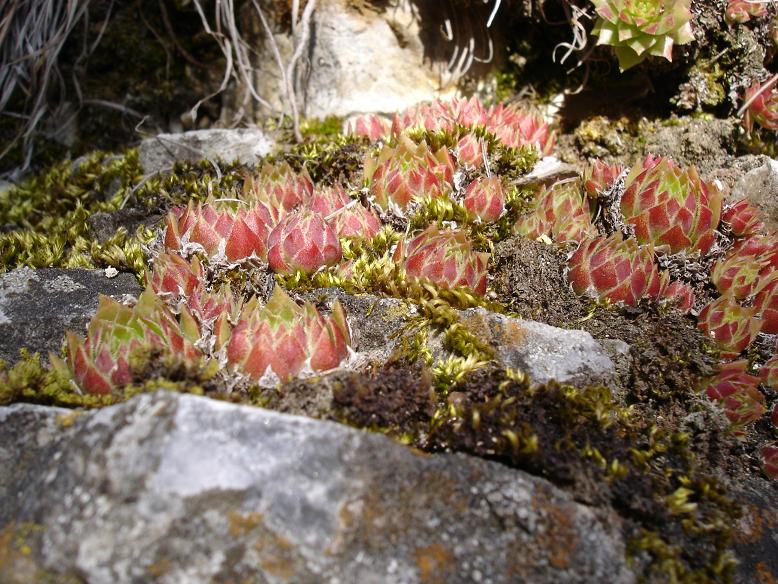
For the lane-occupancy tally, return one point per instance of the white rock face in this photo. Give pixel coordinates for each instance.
(176, 488)
(760, 187)
(377, 57)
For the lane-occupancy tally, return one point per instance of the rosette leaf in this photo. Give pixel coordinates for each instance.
(731, 325)
(485, 198)
(304, 242)
(469, 150)
(671, 208)
(444, 256)
(639, 28)
(615, 269)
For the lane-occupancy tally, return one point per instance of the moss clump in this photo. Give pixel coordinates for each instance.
(46, 218)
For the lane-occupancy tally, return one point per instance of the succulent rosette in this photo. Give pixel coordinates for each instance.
(614, 268)
(763, 106)
(743, 218)
(769, 376)
(408, 172)
(326, 200)
(731, 325)
(469, 150)
(677, 294)
(283, 338)
(173, 275)
(303, 241)
(444, 256)
(515, 128)
(769, 457)
(740, 11)
(672, 208)
(369, 126)
(100, 363)
(279, 188)
(485, 198)
(741, 271)
(599, 176)
(639, 28)
(232, 234)
(766, 303)
(738, 393)
(559, 212)
(357, 221)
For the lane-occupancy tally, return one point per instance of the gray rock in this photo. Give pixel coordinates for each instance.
(243, 145)
(760, 187)
(177, 488)
(703, 143)
(38, 306)
(542, 351)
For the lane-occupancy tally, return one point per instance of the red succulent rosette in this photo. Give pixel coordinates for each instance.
(99, 364)
(303, 241)
(731, 325)
(738, 393)
(232, 234)
(615, 269)
(283, 338)
(485, 198)
(408, 172)
(444, 256)
(671, 208)
(744, 219)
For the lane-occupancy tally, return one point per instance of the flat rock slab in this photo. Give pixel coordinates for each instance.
(243, 145)
(38, 306)
(760, 187)
(542, 351)
(178, 488)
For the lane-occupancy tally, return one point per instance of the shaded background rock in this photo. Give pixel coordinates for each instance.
(38, 306)
(190, 489)
(244, 145)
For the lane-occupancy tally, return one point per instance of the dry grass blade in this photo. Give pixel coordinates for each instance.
(32, 34)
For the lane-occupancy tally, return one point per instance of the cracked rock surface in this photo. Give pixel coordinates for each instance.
(176, 488)
(38, 306)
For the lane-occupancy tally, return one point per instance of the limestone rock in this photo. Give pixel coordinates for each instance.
(38, 306)
(177, 488)
(760, 187)
(243, 145)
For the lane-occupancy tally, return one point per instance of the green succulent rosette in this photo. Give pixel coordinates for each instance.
(639, 28)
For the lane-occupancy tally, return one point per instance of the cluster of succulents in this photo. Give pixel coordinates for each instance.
(425, 214)
(762, 109)
(512, 126)
(669, 213)
(637, 29)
